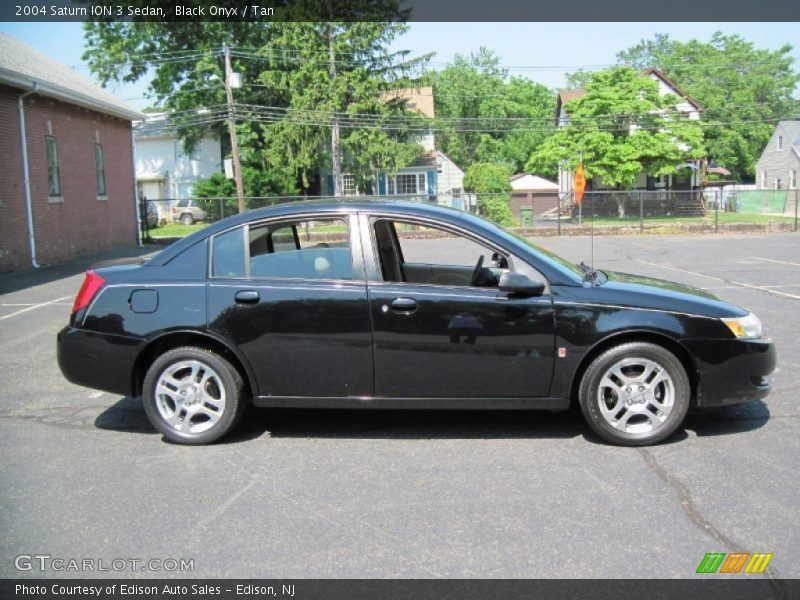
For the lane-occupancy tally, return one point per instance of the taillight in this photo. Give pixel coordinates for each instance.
(91, 285)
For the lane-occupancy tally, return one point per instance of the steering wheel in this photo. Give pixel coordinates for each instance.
(476, 272)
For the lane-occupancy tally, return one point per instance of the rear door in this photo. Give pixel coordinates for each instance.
(437, 332)
(291, 295)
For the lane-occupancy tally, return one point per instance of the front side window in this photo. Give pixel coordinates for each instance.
(415, 253)
(303, 249)
(100, 170)
(53, 173)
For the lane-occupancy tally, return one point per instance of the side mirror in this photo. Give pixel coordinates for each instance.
(517, 283)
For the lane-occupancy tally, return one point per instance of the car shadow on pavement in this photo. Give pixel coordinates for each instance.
(20, 280)
(128, 416)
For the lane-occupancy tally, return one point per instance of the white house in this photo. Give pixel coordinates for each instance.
(165, 172)
(686, 179)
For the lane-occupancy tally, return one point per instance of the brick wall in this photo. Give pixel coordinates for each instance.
(79, 222)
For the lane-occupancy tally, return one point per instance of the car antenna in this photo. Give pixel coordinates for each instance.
(591, 246)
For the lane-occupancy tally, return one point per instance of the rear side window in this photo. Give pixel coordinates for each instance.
(318, 249)
(312, 249)
(228, 254)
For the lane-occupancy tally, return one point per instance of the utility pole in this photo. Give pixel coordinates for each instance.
(237, 165)
(336, 149)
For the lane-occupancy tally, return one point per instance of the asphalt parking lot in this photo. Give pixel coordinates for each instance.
(301, 494)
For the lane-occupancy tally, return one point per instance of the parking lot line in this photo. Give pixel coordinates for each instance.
(31, 307)
(783, 262)
(739, 283)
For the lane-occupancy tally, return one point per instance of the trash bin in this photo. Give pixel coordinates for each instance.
(526, 216)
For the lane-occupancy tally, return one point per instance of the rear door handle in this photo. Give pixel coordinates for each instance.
(247, 297)
(404, 305)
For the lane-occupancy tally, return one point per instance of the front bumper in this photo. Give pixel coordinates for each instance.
(733, 371)
(97, 360)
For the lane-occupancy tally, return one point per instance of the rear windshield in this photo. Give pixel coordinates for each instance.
(183, 203)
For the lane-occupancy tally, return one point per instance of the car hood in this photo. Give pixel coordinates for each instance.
(627, 289)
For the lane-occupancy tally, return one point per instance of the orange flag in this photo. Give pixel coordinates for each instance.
(579, 184)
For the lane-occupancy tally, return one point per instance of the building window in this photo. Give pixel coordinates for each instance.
(390, 185)
(422, 186)
(780, 142)
(778, 183)
(406, 184)
(53, 174)
(763, 179)
(348, 185)
(100, 167)
(793, 179)
(456, 192)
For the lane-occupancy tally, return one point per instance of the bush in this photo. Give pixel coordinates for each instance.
(492, 183)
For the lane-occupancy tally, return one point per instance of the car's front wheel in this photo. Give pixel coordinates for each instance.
(635, 394)
(193, 395)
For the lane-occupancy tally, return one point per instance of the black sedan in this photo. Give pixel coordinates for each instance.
(401, 305)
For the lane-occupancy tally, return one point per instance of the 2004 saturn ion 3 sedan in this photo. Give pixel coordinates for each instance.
(401, 305)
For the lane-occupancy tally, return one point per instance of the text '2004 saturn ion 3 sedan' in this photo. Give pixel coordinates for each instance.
(401, 305)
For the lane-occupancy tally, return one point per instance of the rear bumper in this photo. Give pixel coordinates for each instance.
(97, 360)
(733, 371)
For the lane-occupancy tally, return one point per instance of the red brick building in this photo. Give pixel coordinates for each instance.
(81, 192)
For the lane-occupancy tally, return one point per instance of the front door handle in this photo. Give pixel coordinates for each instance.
(247, 297)
(404, 305)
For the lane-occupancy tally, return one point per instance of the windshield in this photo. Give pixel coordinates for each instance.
(551, 255)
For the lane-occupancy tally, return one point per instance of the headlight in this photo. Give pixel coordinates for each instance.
(747, 327)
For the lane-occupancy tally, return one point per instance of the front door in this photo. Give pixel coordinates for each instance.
(442, 329)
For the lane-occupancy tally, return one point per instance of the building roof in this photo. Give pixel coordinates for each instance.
(426, 159)
(419, 99)
(792, 131)
(24, 67)
(523, 182)
(565, 96)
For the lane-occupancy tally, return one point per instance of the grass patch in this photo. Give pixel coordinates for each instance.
(724, 218)
(176, 229)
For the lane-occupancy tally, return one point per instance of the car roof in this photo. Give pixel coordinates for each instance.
(333, 206)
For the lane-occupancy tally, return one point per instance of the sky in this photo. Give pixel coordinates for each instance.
(556, 45)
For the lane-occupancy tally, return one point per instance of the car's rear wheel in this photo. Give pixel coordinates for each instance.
(193, 396)
(187, 219)
(635, 394)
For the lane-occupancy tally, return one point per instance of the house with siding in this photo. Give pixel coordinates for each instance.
(67, 184)
(780, 161)
(688, 178)
(166, 171)
(432, 176)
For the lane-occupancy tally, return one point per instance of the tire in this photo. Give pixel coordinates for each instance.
(193, 396)
(635, 394)
(187, 219)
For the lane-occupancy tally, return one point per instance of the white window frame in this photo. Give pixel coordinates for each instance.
(349, 185)
(792, 179)
(420, 184)
(764, 179)
(780, 143)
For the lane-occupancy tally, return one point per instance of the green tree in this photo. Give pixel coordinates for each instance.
(288, 69)
(744, 90)
(492, 183)
(622, 127)
(477, 88)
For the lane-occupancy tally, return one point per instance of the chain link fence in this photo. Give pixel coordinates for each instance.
(540, 213)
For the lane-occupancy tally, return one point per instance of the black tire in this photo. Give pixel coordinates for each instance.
(590, 396)
(226, 383)
(187, 219)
